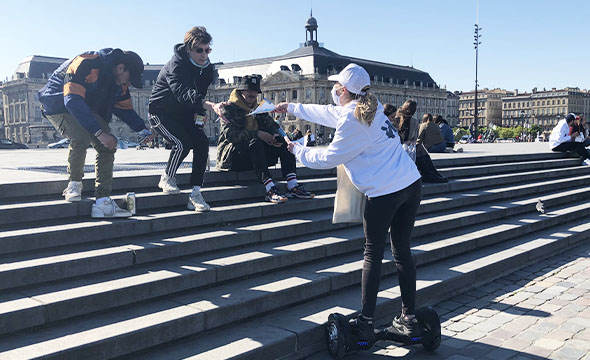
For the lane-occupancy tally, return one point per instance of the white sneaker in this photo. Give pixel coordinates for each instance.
(168, 185)
(587, 162)
(197, 203)
(108, 209)
(73, 192)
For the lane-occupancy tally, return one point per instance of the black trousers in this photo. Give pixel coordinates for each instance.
(578, 147)
(259, 155)
(184, 136)
(395, 212)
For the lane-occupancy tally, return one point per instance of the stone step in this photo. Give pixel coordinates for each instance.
(40, 210)
(61, 263)
(134, 328)
(473, 170)
(487, 181)
(36, 268)
(299, 331)
(44, 234)
(129, 181)
(43, 304)
(459, 160)
(26, 269)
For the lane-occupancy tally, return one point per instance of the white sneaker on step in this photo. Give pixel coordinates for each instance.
(108, 209)
(586, 162)
(73, 192)
(168, 185)
(197, 203)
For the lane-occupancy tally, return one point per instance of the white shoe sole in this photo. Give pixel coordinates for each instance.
(101, 215)
(169, 192)
(74, 199)
(192, 207)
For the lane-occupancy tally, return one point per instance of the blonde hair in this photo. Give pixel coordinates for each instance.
(366, 108)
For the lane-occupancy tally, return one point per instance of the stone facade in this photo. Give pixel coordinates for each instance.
(544, 108)
(23, 120)
(302, 76)
(452, 109)
(489, 105)
(2, 134)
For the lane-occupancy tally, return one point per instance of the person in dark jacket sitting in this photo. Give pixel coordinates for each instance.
(446, 131)
(253, 142)
(79, 100)
(177, 109)
(429, 135)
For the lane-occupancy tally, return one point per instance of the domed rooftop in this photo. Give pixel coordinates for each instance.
(311, 22)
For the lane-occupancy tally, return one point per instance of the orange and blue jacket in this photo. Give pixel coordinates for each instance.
(84, 86)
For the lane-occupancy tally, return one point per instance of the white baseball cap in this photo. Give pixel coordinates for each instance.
(354, 78)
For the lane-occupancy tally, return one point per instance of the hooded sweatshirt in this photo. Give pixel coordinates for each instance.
(85, 85)
(559, 134)
(181, 87)
(372, 155)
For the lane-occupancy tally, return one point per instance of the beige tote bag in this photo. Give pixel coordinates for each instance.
(349, 204)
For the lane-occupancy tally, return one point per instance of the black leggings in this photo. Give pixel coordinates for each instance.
(183, 136)
(395, 212)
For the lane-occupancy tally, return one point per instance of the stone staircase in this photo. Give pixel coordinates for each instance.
(251, 279)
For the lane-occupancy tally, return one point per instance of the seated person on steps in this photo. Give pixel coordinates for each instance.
(253, 142)
(561, 140)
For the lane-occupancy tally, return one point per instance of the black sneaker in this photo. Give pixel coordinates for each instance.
(274, 196)
(362, 329)
(299, 192)
(405, 326)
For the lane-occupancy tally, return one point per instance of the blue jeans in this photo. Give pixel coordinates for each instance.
(437, 148)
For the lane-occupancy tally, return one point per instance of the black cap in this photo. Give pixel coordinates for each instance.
(134, 64)
(570, 117)
(250, 82)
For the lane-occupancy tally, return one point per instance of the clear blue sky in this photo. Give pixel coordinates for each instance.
(525, 43)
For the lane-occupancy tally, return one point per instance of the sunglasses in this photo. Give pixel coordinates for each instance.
(200, 50)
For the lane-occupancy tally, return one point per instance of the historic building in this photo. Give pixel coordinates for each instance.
(21, 108)
(302, 76)
(489, 105)
(544, 108)
(452, 110)
(2, 135)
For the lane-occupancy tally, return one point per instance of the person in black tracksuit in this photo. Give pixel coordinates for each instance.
(177, 109)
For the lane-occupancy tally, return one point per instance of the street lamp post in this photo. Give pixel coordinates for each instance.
(476, 43)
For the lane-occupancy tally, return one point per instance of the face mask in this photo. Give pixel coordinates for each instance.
(335, 96)
(197, 65)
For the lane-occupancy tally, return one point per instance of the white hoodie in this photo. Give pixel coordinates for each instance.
(559, 134)
(372, 155)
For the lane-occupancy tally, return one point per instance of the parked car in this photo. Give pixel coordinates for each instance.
(9, 144)
(63, 143)
(129, 144)
(464, 139)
